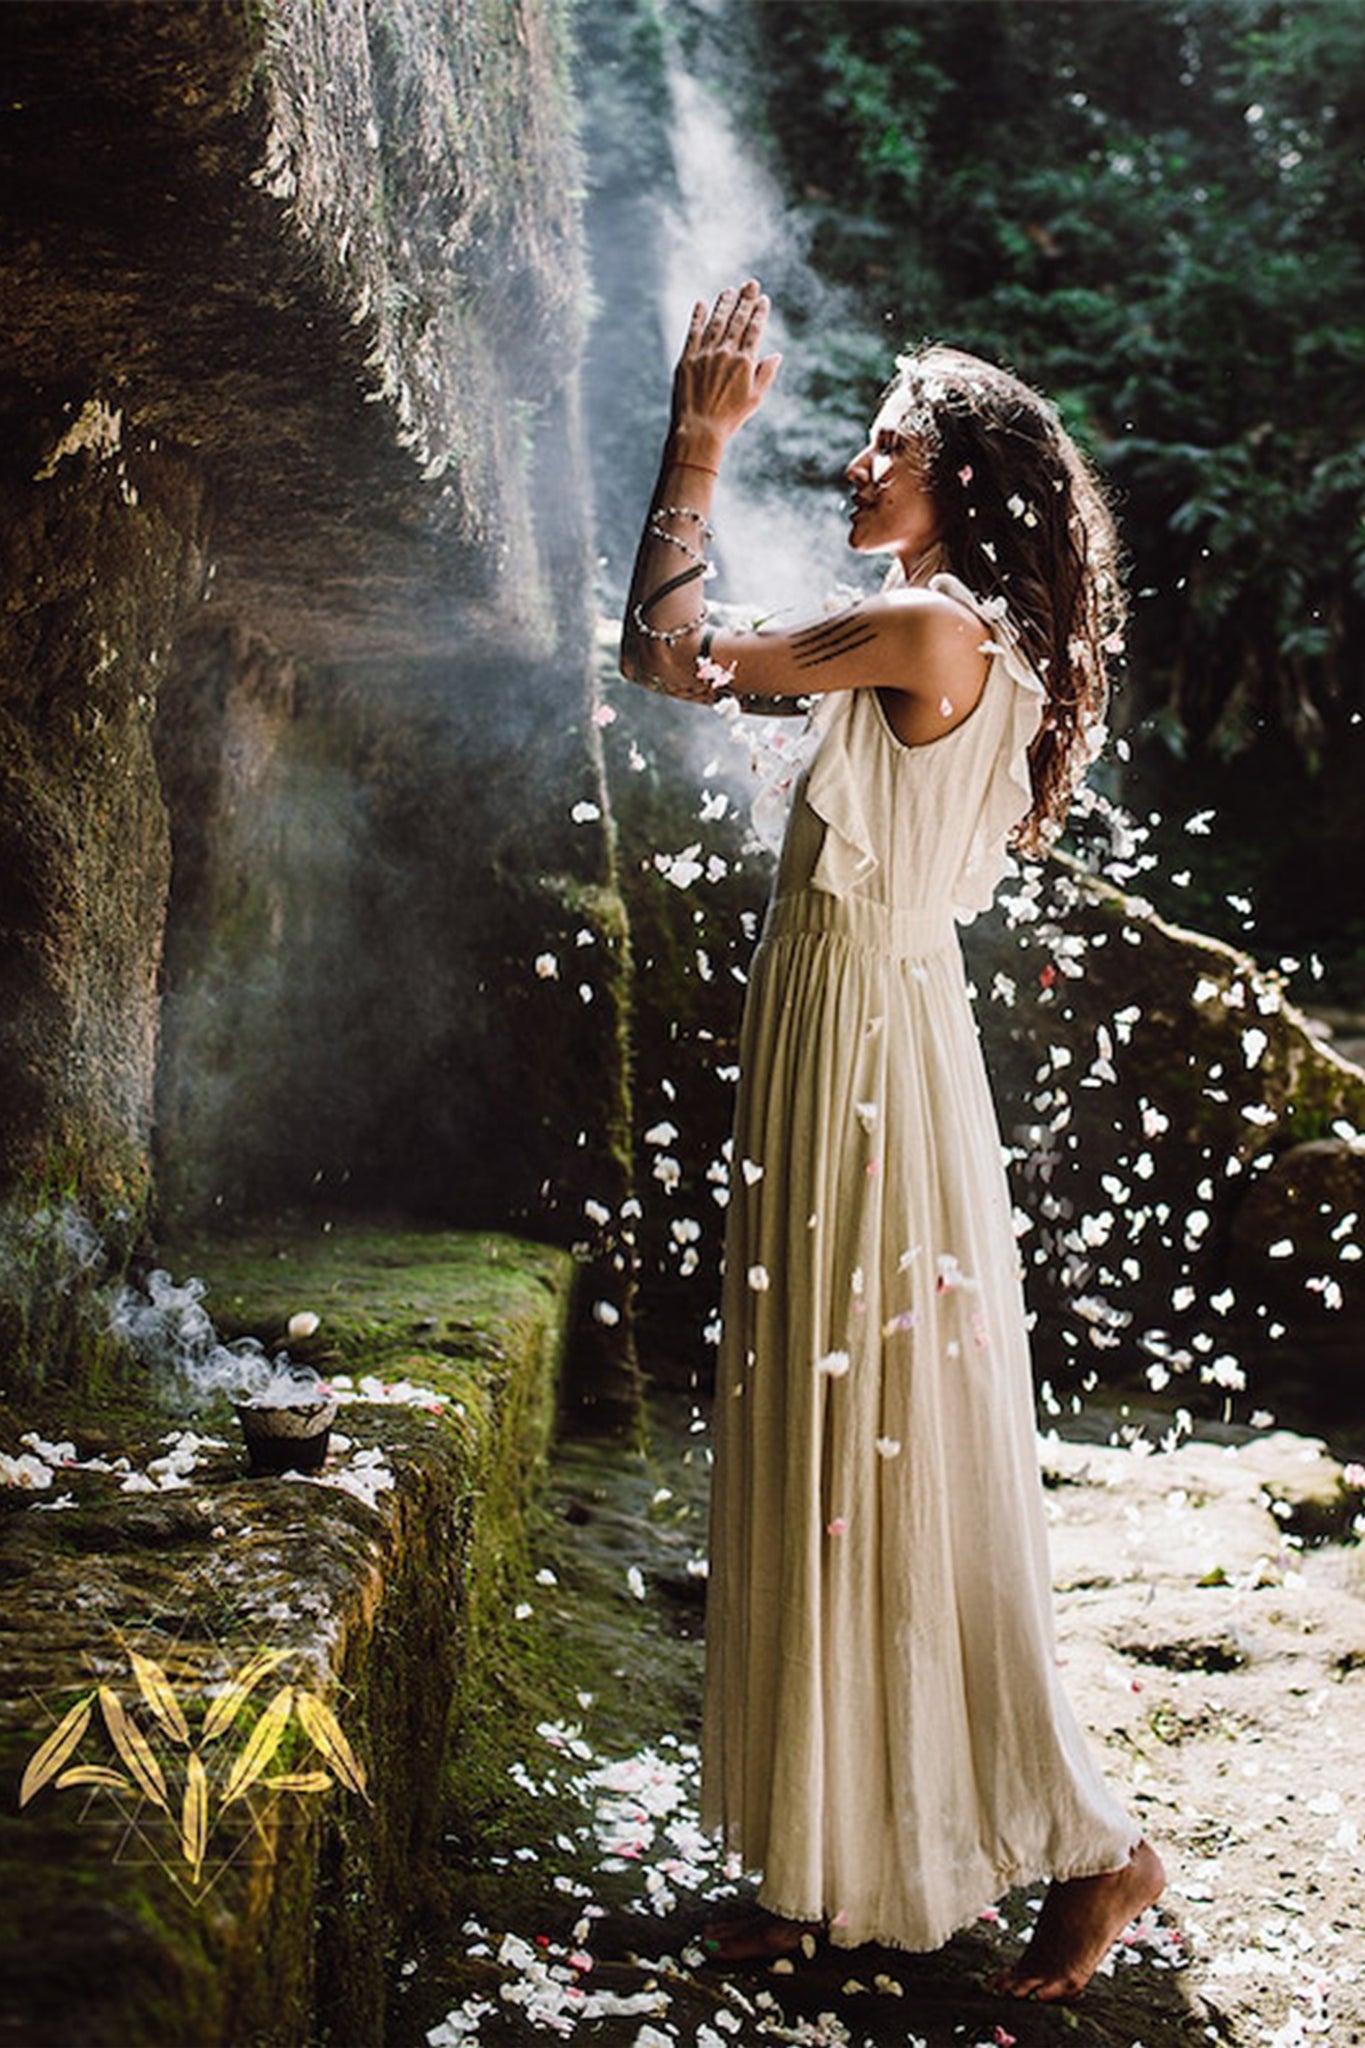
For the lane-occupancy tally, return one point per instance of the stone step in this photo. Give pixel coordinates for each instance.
(363, 1586)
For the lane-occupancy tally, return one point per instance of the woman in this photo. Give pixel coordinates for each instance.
(885, 1736)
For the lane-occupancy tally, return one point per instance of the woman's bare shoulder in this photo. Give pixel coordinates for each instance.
(936, 628)
(932, 608)
(943, 665)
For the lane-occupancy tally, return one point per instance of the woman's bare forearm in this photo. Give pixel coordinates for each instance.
(719, 381)
(666, 606)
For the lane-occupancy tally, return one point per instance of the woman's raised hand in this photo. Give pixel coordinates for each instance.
(721, 378)
(719, 381)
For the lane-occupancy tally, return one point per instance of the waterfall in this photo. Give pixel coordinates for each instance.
(781, 541)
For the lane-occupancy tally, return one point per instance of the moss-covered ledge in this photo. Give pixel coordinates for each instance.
(104, 1936)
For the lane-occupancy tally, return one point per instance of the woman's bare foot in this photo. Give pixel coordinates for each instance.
(754, 1937)
(1079, 1924)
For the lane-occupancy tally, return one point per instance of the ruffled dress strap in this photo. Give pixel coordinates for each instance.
(848, 856)
(1007, 791)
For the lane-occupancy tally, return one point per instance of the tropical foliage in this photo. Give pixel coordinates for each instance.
(1157, 211)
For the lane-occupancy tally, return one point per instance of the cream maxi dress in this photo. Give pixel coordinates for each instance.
(885, 1735)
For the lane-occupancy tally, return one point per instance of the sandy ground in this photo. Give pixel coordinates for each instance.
(1211, 1621)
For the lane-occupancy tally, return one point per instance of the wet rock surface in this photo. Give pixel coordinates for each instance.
(288, 241)
(296, 632)
(258, 1913)
(1213, 1653)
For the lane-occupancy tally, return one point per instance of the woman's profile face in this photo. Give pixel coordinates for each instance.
(891, 509)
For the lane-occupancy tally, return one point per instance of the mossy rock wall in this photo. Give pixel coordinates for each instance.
(99, 546)
(288, 1935)
(296, 640)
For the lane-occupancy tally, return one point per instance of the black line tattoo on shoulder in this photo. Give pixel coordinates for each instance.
(842, 634)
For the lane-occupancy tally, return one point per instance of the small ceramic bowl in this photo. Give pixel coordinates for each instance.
(286, 1439)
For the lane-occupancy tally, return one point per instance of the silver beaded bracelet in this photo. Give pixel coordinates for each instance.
(684, 512)
(669, 635)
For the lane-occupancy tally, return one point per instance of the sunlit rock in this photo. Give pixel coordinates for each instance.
(297, 688)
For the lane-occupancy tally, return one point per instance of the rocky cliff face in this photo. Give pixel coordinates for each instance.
(295, 646)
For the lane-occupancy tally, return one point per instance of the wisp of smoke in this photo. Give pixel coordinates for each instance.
(171, 1331)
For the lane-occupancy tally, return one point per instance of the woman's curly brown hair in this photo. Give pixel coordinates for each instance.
(1022, 516)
